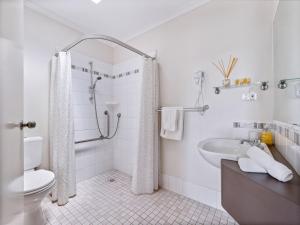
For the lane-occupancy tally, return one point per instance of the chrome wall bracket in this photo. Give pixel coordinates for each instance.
(284, 82)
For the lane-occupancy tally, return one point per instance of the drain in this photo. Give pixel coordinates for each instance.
(111, 180)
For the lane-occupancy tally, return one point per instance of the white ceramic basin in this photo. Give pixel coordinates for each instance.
(215, 149)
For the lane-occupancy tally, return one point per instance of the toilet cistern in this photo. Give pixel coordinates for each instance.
(37, 182)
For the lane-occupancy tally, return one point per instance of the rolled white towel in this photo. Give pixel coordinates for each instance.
(280, 172)
(248, 165)
(260, 157)
(274, 168)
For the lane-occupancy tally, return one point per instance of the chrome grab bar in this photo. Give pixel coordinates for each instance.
(89, 140)
(191, 109)
(185, 109)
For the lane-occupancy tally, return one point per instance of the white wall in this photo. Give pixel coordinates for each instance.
(43, 37)
(189, 43)
(286, 60)
(126, 91)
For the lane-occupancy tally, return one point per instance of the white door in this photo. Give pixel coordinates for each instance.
(11, 111)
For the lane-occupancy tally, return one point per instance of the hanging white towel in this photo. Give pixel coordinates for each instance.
(248, 165)
(177, 134)
(169, 118)
(273, 167)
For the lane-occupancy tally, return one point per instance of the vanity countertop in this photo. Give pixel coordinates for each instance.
(253, 198)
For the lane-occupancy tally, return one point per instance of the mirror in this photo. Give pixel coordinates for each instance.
(287, 62)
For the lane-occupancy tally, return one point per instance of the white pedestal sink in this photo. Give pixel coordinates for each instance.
(215, 149)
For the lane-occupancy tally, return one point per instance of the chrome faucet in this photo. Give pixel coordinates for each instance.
(255, 142)
(251, 142)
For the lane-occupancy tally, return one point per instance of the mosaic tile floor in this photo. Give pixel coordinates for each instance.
(101, 200)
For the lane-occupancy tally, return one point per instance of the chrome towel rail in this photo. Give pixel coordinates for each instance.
(191, 109)
(185, 109)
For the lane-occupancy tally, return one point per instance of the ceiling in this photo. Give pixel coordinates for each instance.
(123, 19)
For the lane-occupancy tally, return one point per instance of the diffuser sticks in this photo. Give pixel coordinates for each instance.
(226, 72)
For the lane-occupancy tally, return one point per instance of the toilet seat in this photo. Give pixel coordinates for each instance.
(37, 181)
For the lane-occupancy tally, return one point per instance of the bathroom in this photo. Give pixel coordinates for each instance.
(150, 112)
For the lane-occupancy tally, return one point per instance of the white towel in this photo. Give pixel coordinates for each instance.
(248, 165)
(177, 134)
(280, 172)
(273, 167)
(260, 157)
(169, 118)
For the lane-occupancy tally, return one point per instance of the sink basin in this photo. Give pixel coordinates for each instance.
(215, 149)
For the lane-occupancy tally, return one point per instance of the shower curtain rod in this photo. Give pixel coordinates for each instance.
(105, 38)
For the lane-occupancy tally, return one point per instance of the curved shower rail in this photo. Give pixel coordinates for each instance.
(105, 38)
(112, 40)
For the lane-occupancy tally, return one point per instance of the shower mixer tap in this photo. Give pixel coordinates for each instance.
(106, 112)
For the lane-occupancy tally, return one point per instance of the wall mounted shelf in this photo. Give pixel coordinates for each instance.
(111, 104)
(264, 85)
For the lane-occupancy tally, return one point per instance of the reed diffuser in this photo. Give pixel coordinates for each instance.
(226, 72)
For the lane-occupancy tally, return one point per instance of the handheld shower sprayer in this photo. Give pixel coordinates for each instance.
(95, 82)
(92, 88)
(93, 100)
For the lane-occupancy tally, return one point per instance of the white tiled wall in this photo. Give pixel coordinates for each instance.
(94, 157)
(126, 91)
(287, 143)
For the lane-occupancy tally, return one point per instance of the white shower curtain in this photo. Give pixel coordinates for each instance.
(61, 129)
(146, 162)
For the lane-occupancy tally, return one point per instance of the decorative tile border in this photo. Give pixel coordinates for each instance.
(86, 70)
(289, 131)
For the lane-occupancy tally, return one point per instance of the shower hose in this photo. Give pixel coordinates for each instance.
(97, 119)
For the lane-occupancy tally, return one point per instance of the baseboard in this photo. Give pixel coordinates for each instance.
(196, 192)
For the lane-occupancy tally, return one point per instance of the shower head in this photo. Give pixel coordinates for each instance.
(94, 84)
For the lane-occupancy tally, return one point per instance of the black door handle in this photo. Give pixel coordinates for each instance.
(29, 124)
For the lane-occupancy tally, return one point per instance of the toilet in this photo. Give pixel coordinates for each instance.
(37, 182)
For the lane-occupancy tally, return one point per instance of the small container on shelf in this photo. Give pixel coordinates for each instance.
(246, 81)
(226, 82)
(226, 72)
(266, 137)
(237, 82)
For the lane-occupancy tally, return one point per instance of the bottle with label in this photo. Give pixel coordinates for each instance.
(266, 137)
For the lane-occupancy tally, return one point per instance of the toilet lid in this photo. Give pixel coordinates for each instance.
(37, 179)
